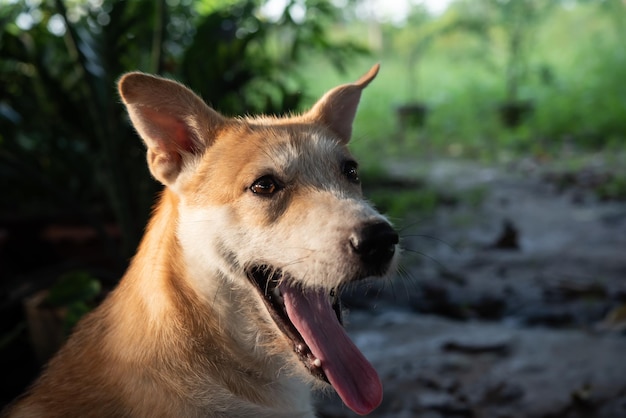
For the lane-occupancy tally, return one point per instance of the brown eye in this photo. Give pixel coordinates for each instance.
(266, 186)
(349, 170)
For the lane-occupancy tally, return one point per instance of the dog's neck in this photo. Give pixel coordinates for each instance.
(159, 277)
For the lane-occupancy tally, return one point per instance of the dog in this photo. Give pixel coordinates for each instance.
(230, 307)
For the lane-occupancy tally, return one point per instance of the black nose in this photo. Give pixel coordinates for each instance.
(375, 244)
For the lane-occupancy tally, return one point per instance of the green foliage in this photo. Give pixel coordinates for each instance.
(420, 32)
(252, 67)
(67, 146)
(613, 189)
(76, 286)
(573, 58)
(422, 201)
(474, 196)
(511, 27)
(402, 197)
(398, 204)
(583, 94)
(75, 291)
(397, 197)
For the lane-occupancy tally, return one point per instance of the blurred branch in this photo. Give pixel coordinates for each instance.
(117, 187)
(156, 64)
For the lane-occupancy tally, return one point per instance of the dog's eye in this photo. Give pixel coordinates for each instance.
(266, 186)
(350, 171)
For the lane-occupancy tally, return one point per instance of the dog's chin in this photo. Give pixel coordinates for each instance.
(266, 280)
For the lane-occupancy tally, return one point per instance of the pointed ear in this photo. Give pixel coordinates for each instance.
(337, 108)
(173, 121)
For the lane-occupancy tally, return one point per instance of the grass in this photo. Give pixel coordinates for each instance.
(398, 204)
(613, 189)
(574, 78)
(453, 110)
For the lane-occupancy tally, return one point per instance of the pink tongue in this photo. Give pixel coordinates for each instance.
(352, 376)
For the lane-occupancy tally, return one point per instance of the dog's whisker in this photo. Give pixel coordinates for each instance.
(422, 254)
(432, 238)
(406, 227)
(403, 273)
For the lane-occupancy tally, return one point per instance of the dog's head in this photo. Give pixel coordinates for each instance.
(277, 202)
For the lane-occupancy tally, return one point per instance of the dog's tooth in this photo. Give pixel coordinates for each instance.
(317, 362)
(334, 295)
(277, 295)
(299, 348)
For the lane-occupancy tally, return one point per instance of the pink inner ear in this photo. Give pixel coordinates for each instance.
(344, 117)
(170, 133)
(337, 109)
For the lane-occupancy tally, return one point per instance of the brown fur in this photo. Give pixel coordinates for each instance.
(179, 337)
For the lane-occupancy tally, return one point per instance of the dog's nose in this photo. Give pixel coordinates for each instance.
(375, 244)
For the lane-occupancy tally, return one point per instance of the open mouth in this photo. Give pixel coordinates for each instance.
(311, 320)
(267, 281)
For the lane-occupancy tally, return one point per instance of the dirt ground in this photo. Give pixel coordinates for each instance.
(514, 306)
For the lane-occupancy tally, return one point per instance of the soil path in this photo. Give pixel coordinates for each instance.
(518, 308)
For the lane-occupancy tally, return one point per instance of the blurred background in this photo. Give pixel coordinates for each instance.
(494, 137)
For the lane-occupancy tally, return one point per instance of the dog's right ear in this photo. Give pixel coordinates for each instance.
(337, 108)
(173, 121)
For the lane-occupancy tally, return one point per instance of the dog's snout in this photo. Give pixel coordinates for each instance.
(375, 244)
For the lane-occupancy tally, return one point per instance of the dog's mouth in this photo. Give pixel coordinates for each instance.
(311, 319)
(267, 281)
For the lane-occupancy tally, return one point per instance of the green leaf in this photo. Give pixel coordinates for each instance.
(74, 287)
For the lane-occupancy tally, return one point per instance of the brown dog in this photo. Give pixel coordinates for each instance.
(230, 306)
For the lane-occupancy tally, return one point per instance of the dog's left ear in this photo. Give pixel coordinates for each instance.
(337, 108)
(173, 121)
